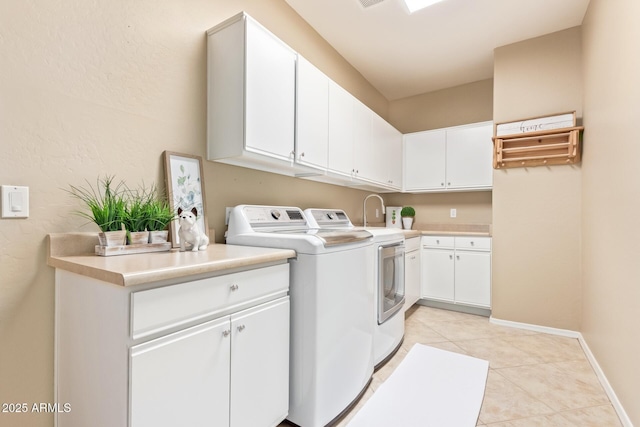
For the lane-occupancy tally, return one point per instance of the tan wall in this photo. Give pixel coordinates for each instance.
(434, 208)
(611, 195)
(469, 103)
(103, 88)
(537, 211)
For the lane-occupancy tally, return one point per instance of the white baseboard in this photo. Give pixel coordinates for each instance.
(536, 328)
(624, 418)
(615, 402)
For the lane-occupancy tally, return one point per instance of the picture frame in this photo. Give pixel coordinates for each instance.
(185, 189)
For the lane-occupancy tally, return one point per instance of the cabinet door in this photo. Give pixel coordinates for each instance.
(182, 379)
(270, 93)
(340, 130)
(394, 164)
(260, 365)
(470, 157)
(364, 153)
(312, 118)
(387, 146)
(473, 278)
(438, 274)
(411, 278)
(424, 160)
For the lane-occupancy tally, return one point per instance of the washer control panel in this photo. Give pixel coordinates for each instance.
(274, 215)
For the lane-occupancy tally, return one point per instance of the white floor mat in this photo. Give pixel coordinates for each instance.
(430, 388)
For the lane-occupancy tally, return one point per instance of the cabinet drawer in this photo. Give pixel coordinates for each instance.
(478, 243)
(155, 310)
(438, 241)
(412, 244)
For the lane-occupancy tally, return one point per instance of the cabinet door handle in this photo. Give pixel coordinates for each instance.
(442, 184)
(448, 183)
(472, 243)
(241, 328)
(302, 154)
(226, 333)
(450, 256)
(458, 257)
(234, 287)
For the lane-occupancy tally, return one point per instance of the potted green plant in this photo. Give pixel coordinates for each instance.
(106, 203)
(159, 215)
(136, 216)
(408, 214)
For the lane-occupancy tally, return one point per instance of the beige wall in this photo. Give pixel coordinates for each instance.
(104, 88)
(434, 208)
(469, 103)
(537, 211)
(611, 195)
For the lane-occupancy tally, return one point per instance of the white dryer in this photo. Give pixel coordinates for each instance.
(331, 336)
(387, 282)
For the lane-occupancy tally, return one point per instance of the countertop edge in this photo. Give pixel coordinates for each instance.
(137, 269)
(454, 233)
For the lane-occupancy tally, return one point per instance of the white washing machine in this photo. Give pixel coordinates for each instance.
(387, 282)
(331, 358)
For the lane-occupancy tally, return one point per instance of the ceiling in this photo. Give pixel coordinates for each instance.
(445, 45)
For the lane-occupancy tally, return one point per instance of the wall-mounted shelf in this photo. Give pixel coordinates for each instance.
(542, 148)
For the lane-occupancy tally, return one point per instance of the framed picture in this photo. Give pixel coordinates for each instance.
(185, 189)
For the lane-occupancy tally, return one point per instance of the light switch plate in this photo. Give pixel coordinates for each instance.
(453, 213)
(15, 201)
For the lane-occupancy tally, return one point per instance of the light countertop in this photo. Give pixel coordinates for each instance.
(480, 230)
(440, 229)
(74, 252)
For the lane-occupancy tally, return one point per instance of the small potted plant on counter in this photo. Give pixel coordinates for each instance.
(159, 215)
(136, 216)
(407, 213)
(106, 203)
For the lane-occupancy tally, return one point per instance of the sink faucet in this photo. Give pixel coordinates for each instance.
(364, 206)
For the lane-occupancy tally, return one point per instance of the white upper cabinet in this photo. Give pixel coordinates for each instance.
(270, 92)
(470, 156)
(364, 149)
(364, 163)
(424, 160)
(341, 154)
(312, 116)
(270, 109)
(251, 96)
(386, 149)
(451, 159)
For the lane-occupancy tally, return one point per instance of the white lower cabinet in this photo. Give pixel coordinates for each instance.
(183, 378)
(207, 352)
(438, 274)
(227, 372)
(457, 270)
(259, 365)
(411, 272)
(473, 278)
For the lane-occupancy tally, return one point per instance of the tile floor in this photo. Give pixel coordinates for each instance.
(534, 379)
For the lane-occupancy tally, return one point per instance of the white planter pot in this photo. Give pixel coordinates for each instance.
(158, 236)
(138, 237)
(407, 222)
(112, 238)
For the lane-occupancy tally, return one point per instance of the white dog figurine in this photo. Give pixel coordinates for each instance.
(190, 234)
